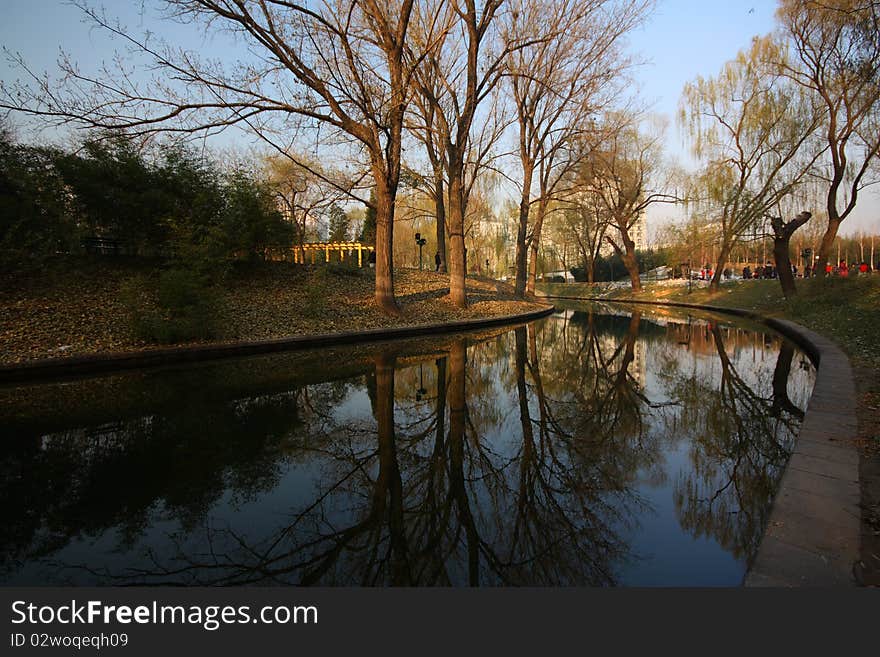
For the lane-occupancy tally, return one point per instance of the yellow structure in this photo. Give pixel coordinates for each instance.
(308, 252)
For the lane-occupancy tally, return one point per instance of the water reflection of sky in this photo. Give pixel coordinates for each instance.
(586, 449)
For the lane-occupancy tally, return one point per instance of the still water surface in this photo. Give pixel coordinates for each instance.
(595, 447)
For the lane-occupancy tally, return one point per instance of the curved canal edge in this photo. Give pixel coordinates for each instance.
(813, 533)
(52, 368)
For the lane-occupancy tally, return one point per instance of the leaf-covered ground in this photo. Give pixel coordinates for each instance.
(75, 307)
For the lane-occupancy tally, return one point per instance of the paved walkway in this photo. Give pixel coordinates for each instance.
(812, 537)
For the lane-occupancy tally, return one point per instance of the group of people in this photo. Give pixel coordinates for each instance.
(842, 269)
(765, 271)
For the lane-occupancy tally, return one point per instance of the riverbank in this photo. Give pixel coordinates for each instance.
(847, 311)
(72, 308)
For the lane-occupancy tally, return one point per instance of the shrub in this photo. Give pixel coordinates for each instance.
(179, 307)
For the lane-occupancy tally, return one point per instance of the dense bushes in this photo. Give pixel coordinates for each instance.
(160, 201)
(177, 306)
(611, 268)
(163, 202)
(34, 221)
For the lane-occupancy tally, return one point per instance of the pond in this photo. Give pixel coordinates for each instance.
(599, 446)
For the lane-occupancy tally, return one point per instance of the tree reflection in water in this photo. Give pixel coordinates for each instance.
(742, 441)
(518, 458)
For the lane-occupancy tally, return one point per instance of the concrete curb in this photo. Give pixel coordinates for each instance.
(813, 533)
(99, 363)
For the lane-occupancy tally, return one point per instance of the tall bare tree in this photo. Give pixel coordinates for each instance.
(557, 85)
(469, 67)
(835, 57)
(345, 65)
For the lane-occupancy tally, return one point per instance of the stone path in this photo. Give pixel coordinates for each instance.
(812, 538)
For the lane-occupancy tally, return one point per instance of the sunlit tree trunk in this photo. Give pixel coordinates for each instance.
(628, 255)
(456, 252)
(384, 292)
(723, 255)
(534, 245)
(522, 228)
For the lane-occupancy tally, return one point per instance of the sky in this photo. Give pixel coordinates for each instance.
(683, 39)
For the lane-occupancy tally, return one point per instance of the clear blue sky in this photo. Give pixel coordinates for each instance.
(683, 39)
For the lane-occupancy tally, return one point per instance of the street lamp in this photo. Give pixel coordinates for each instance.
(421, 241)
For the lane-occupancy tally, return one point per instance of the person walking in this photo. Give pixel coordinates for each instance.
(437, 261)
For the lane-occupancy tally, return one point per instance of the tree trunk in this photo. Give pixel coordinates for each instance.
(827, 242)
(631, 263)
(384, 251)
(457, 272)
(783, 266)
(522, 228)
(782, 233)
(440, 206)
(533, 248)
(715, 284)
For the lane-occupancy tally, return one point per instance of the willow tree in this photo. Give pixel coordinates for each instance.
(557, 86)
(834, 57)
(752, 131)
(342, 65)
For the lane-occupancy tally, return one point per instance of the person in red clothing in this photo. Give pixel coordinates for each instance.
(863, 268)
(828, 269)
(843, 270)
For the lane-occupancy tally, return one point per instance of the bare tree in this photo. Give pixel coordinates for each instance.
(627, 174)
(835, 58)
(557, 85)
(468, 67)
(345, 65)
(302, 195)
(427, 128)
(585, 218)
